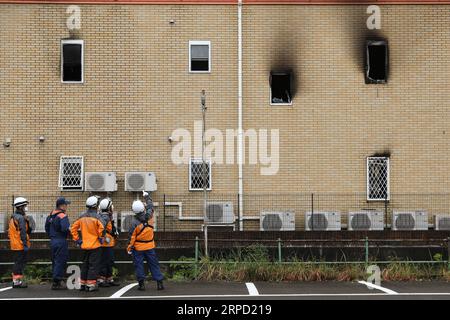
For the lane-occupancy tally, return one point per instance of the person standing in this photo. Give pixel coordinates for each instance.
(19, 237)
(87, 232)
(141, 243)
(57, 227)
(107, 249)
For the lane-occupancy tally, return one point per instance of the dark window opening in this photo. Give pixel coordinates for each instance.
(280, 86)
(199, 57)
(72, 62)
(376, 61)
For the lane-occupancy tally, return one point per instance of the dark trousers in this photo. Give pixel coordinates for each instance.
(20, 260)
(107, 262)
(152, 261)
(60, 255)
(90, 266)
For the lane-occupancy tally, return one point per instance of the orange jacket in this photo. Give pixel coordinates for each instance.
(91, 229)
(141, 236)
(18, 232)
(109, 235)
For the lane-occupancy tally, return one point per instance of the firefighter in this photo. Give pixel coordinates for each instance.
(19, 236)
(57, 227)
(107, 249)
(141, 244)
(91, 228)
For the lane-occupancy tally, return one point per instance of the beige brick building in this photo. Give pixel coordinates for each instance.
(137, 90)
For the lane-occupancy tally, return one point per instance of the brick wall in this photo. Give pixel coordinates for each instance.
(137, 90)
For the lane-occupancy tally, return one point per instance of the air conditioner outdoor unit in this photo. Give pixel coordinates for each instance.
(140, 181)
(277, 221)
(37, 221)
(323, 221)
(441, 222)
(2, 222)
(100, 181)
(366, 220)
(410, 220)
(219, 213)
(125, 220)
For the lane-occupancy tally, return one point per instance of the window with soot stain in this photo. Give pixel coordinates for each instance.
(377, 62)
(280, 86)
(72, 62)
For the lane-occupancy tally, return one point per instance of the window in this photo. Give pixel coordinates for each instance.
(196, 177)
(200, 56)
(71, 173)
(72, 61)
(377, 178)
(376, 61)
(281, 88)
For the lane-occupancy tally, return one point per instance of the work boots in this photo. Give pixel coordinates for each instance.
(112, 283)
(91, 287)
(83, 287)
(159, 285)
(19, 284)
(141, 285)
(103, 283)
(58, 285)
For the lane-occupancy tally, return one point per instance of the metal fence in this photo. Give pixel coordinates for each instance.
(284, 212)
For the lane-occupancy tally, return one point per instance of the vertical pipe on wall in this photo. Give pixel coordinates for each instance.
(240, 134)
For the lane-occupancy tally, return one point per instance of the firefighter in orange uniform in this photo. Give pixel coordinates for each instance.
(91, 228)
(107, 249)
(141, 244)
(19, 237)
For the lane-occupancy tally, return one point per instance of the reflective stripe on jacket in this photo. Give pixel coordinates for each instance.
(18, 232)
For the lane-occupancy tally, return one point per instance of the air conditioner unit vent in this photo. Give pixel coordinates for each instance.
(410, 220)
(366, 220)
(140, 181)
(37, 221)
(126, 219)
(2, 222)
(219, 212)
(323, 221)
(442, 222)
(101, 181)
(277, 221)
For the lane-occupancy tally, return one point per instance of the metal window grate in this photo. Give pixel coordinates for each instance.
(196, 177)
(71, 173)
(377, 178)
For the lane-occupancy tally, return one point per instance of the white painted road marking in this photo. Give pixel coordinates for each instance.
(244, 296)
(252, 289)
(374, 286)
(4, 289)
(122, 291)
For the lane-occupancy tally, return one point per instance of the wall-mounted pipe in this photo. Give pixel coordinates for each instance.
(240, 137)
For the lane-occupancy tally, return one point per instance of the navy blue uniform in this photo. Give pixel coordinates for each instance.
(57, 227)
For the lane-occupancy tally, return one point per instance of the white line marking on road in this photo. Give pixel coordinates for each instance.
(374, 286)
(244, 296)
(252, 289)
(122, 291)
(4, 289)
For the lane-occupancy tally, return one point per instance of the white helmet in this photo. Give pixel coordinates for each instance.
(138, 207)
(92, 202)
(105, 204)
(20, 201)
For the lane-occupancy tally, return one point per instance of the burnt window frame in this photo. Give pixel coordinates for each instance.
(290, 74)
(366, 61)
(72, 41)
(200, 43)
